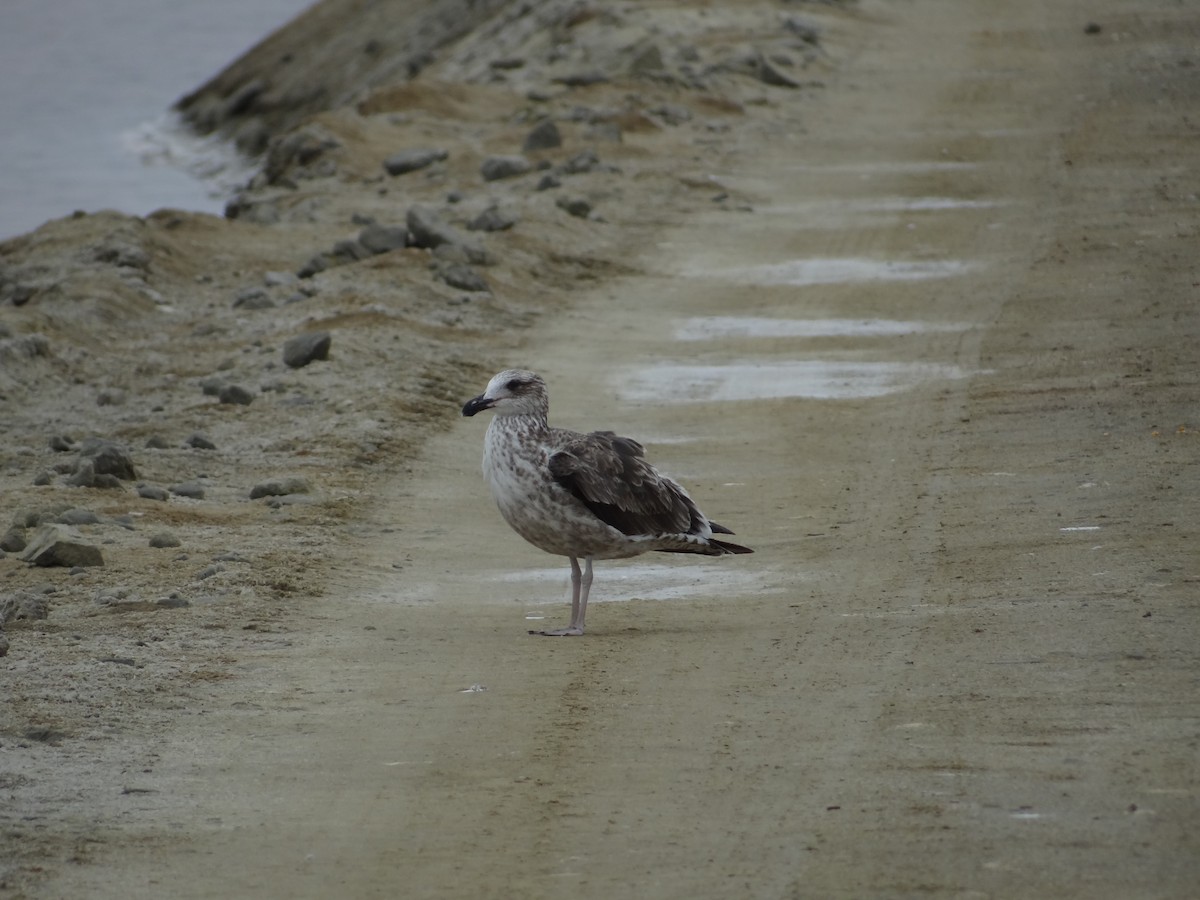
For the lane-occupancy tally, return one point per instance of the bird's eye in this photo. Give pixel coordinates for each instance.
(514, 384)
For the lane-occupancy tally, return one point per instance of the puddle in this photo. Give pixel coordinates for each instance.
(816, 379)
(836, 270)
(703, 328)
(877, 205)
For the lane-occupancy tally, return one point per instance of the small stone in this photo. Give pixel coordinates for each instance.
(77, 516)
(211, 386)
(279, 488)
(3, 645)
(84, 474)
(200, 442)
(164, 539)
(582, 79)
(770, 73)
(23, 605)
(492, 219)
(157, 442)
(303, 349)
(56, 545)
(191, 489)
(253, 298)
(278, 279)
(575, 206)
(111, 397)
(495, 168)
(428, 230)
(349, 251)
(581, 162)
(235, 394)
(547, 182)
(383, 238)
(13, 540)
(60, 443)
(152, 492)
(544, 136)
(108, 458)
(412, 160)
(648, 60)
(172, 602)
(463, 277)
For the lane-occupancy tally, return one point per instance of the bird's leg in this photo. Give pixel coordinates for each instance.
(577, 614)
(577, 579)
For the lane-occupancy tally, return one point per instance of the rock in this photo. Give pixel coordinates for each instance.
(278, 279)
(317, 264)
(211, 386)
(581, 162)
(24, 348)
(108, 458)
(77, 516)
(383, 238)
(119, 252)
(200, 442)
(495, 168)
(27, 605)
(253, 298)
(547, 182)
(235, 394)
(174, 601)
(463, 277)
(152, 492)
(157, 442)
(412, 160)
(808, 32)
(13, 540)
(348, 251)
(60, 443)
(647, 61)
(84, 474)
(769, 73)
(3, 644)
(111, 397)
(582, 79)
(279, 488)
(56, 545)
(163, 539)
(575, 206)
(544, 136)
(192, 489)
(300, 147)
(492, 219)
(304, 348)
(430, 231)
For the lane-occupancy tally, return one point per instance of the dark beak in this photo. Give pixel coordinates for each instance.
(478, 405)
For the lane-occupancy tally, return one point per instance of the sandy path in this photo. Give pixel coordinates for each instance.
(962, 660)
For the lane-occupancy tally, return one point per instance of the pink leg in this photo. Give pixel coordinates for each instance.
(580, 585)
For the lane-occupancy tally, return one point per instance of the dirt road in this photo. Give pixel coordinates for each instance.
(934, 358)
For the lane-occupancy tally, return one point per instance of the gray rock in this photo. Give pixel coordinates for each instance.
(3, 644)
(253, 298)
(57, 545)
(152, 492)
(77, 516)
(13, 540)
(412, 160)
(111, 397)
(649, 60)
(43, 478)
(769, 73)
(27, 605)
(548, 182)
(582, 79)
(200, 442)
(278, 279)
(463, 277)
(575, 206)
(164, 539)
(492, 219)
(211, 386)
(157, 442)
(544, 136)
(120, 252)
(108, 458)
(279, 488)
(191, 489)
(84, 474)
(317, 264)
(304, 348)
(348, 251)
(235, 394)
(383, 238)
(581, 162)
(495, 168)
(24, 348)
(60, 443)
(430, 231)
(174, 601)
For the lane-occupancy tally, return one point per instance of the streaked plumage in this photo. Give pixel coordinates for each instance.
(583, 496)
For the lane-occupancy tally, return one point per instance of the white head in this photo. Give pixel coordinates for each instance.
(513, 392)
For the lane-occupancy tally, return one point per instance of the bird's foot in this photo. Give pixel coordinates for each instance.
(569, 631)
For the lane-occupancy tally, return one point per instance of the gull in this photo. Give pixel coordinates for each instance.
(582, 496)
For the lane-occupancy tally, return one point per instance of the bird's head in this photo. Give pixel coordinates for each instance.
(513, 392)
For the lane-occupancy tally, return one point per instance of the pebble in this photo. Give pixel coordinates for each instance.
(165, 539)
(13, 540)
(769, 73)
(547, 182)
(492, 219)
(494, 168)
(412, 160)
(157, 442)
(581, 162)
(235, 394)
(60, 443)
(152, 492)
(200, 442)
(77, 516)
(383, 238)
(544, 136)
(463, 277)
(56, 545)
(304, 348)
(253, 298)
(575, 206)
(108, 458)
(430, 231)
(192, 489)
(28, 605)
(279, 487)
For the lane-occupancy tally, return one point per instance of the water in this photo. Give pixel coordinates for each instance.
(834, 270)
(85, 90)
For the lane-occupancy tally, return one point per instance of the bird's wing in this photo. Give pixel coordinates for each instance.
(610, 476)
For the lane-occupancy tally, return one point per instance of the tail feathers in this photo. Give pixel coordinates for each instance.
(729, 546)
